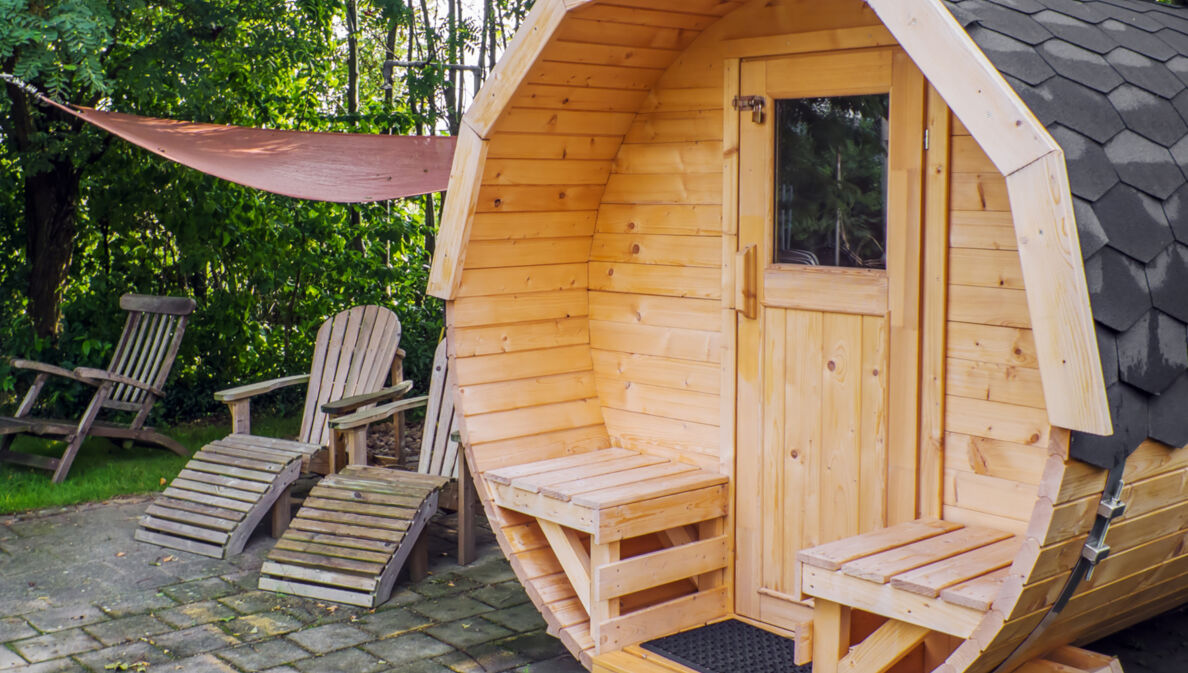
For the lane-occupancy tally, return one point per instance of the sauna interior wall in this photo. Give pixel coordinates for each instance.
(663, 356)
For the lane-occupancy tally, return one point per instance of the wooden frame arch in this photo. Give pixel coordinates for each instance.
(1016, 142)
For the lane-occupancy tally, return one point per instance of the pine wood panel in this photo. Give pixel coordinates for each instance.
(471, 341)
(512, 226)
(662, 250)
(589, 99)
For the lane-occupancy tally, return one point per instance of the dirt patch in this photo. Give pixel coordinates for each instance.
(381, 446)
(1158, 645)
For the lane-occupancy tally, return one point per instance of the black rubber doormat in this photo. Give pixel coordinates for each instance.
(729, 647)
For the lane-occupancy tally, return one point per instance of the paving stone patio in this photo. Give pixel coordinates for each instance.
(77, 593)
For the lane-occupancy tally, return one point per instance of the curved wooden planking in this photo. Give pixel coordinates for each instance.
(599, 161)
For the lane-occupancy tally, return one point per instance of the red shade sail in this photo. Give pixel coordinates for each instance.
(339, 167)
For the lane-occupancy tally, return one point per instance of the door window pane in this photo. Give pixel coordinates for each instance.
(831, 181)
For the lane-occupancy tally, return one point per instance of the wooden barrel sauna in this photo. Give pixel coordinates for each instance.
(693, 384)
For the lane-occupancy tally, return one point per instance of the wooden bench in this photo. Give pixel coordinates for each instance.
(924, 575)
(588, 504)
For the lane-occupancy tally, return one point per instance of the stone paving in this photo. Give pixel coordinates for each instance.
(77, 593)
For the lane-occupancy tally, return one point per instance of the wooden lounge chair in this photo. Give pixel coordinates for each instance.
(132, 383)
(357, 528)
(217, 500)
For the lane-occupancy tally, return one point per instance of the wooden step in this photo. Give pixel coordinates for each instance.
(352, 536)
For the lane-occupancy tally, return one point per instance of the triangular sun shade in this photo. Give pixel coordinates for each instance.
(338, 167)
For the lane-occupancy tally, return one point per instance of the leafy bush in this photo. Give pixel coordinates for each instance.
(265, 270)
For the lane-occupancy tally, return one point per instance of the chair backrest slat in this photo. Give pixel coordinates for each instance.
(124, 346)
(148, 346)
(154, 345)
(439, 451)
(358, 379)
(377, 366)
(316, 365)
(140, 343)
(156, 359)
(352, 355)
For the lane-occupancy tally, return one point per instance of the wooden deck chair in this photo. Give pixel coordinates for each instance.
(217, 500)
(358, 527)
(132, 383)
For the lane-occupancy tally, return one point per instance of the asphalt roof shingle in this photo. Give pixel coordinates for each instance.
(1117, 103)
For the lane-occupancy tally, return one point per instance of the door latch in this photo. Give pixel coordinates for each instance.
(753, 103)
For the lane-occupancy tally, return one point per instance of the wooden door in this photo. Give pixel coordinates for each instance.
(828, 359)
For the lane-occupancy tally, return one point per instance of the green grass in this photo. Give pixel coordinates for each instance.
(104, 469)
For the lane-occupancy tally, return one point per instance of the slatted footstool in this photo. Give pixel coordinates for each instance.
(353, 534)
(218, 499)
(924, 575)
(588, 504)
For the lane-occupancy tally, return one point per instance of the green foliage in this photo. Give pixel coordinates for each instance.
(104, 469)
(265, 270)
(831, 160)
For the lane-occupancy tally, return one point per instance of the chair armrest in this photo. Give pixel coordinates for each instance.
(348, 404)
(104, 375)
(384, 411)
(253, 389)
(54, 370)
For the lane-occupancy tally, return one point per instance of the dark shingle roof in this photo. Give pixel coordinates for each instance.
(1109, 78)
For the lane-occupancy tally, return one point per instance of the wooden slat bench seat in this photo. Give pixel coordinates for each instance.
(220, 496)
(352, 535)
(924, 575)
(588, 504)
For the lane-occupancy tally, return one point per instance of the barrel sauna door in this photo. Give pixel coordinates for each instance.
(827, 287)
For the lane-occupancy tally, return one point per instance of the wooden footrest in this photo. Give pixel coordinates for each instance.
(222, 494)
(611, 494)
(936, 574)
(352, 536)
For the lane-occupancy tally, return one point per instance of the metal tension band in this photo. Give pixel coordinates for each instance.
(1095, 551)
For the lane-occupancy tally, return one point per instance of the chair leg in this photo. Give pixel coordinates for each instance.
(84, 428)
(466, 507)
(418, 560)
(27, 403)
(67, 458)
(31, 395)
(831, 635)
(356, 446)
(282, 512)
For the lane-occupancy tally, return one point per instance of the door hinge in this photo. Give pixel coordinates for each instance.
(927, 139)
(753, 103)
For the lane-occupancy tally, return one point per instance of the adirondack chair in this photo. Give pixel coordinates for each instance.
(358, 527)
(217, 500)
(132, 383)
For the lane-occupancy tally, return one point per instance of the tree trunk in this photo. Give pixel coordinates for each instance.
(352, 23)
(50, 200)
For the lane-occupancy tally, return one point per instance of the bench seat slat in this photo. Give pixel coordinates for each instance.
(929, 580)
(534, 483)
(565, 491)
(833, 555)
(978, 593)
(648, 490)
(885, 565)
(505, 475)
